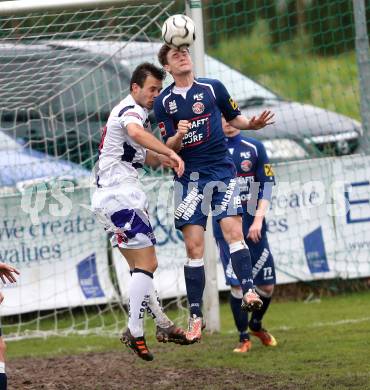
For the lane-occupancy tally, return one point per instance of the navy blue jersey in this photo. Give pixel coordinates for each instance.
(204, 146)
(255, 176)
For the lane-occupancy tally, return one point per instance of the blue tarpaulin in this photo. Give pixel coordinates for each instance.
(18, 163)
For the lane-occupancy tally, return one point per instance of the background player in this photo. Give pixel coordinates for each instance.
(121, 204)
(6, 274)
(189, 116)
(255, 178)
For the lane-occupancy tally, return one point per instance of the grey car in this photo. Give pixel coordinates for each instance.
(300, 129)
(98, 73)
(57, 99)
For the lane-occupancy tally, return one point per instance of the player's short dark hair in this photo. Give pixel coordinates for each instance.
(162, 54)
(144, 70)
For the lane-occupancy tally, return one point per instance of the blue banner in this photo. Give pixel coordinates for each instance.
(314, 249)
(88, 278)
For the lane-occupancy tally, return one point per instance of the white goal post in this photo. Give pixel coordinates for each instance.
(28, 6)
(211, 295)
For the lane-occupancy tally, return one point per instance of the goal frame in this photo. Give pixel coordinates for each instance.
(21, 6)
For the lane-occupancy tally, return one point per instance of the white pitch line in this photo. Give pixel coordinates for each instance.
(317, 324)
(324, 324)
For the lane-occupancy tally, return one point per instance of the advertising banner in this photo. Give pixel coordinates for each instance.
(301, 233)
(352, 220)
(318, 225)
(59, 249)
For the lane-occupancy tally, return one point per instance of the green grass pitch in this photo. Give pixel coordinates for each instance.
(323, 344)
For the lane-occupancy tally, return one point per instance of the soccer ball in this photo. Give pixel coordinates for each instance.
(178, 31)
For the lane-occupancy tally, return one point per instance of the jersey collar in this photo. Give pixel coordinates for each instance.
(234, 140)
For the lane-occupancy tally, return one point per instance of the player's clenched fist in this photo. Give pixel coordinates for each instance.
(182, 127)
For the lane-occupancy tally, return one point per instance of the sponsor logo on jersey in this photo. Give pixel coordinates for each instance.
(233, 104)
(172, 106)
(245, 187)
(162, 128)
(268, 170)
(198, 108)
(245, 154)
(198, 122)
(246, 165)
(198, 96)
(198, 131)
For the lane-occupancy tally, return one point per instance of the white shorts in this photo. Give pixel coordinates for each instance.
(123, 211)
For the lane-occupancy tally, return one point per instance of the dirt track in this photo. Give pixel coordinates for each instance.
(121, 370)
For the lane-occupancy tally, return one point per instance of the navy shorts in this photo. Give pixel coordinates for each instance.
(262, 262)
(193, 199)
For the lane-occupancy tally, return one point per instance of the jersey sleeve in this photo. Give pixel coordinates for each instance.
(264, 174)
(164, 120)
(132, 114)
(225, 102)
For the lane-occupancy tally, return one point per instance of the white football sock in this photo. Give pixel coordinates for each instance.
(140, 288)
(155, 309)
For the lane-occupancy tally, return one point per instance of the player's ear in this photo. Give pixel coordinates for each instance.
(135, 87)
(167, 68)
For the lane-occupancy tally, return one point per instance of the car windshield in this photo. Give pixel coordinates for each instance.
(284, 149)
(130, 54)
(73, 82)
(241, 88)
(89, 94)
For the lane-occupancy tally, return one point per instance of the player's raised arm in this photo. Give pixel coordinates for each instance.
(232, 114)
(255, 123)
(149, 141)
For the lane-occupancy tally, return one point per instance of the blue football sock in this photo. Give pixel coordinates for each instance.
(3, 381)
(195, 281)
(240, 317)
(255, 323)
(241, 262)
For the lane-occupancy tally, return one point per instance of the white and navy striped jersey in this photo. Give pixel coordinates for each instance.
(120, 156)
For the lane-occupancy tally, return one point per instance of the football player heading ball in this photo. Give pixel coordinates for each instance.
(189, 116)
